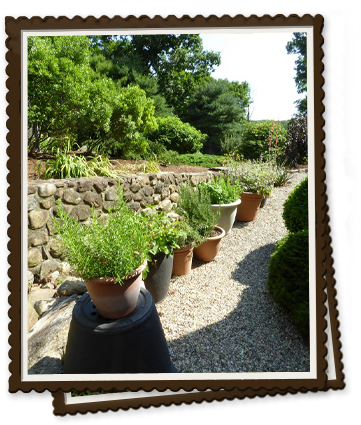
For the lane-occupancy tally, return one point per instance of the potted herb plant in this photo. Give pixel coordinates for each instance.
(110, 255)
(165, 236)
(224, 197)
(256, 183)
(195, 206)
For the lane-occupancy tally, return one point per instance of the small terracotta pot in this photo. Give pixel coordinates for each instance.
(247, 210)
(113, 300)
(209, 249)
(182, 260)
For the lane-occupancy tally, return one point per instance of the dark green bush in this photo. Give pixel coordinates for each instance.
(255, 140)
(296, 150)
(288, 278)
(295, 209)
(177, 135)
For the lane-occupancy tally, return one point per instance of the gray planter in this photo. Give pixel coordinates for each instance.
(158, 278)
(228, 214)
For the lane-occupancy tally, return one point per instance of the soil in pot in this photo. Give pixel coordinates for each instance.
(209, 249)
(113, 300)
(248, 208)
(159, 275)
(182, 260)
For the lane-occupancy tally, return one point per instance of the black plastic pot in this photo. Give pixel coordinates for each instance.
(158, 278)
(263, 202)
(132, 344)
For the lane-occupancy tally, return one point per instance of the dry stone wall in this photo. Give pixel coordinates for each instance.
(79, 196)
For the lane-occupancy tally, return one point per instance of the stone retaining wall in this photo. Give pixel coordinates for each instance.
(78, 196)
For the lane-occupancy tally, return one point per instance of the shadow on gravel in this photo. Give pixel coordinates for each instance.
(257, 336)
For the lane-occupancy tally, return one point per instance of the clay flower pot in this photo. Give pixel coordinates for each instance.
(182, 260)
(248, 209)
(228, 214)
(113, 300)
(209, 249)
(159, 275)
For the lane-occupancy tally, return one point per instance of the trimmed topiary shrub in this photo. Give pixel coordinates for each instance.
(176, 135)
(296, 149)
(295, 209)
(288, 278)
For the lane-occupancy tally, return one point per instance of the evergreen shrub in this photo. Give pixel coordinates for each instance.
(288, 278)
(295, 209)
(296, 149)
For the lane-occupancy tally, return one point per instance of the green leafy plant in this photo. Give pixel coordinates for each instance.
(194, 205)
(288, 278)
(166, 234)
(221, 190)
(253, 176)
(295, 209)
(113, 247)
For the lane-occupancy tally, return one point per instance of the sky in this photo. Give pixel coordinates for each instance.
(262, 61)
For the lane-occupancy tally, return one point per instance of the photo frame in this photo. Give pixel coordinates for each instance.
(15, 29)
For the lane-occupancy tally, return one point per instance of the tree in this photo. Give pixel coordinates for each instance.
(216, 111)
(299, 46)
(68, 99)
(177, 62)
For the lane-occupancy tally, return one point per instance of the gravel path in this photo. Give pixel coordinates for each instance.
(222, 318)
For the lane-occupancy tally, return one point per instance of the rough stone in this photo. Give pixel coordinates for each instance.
(165, 205)
(46, 253)
(32, 317)
(135, 206)
(148, 191)
(158, 188)
(84, 185)
(128, 196)
(46, 189)
(34, 257)
(100, 185)
(172, 188)
(165, 193)
(32, 203)
(50, 227)
(31, 189)
(72, 285)
(137, 196)
(135, 187)
(37, 238)
(47, 203)
(174, 197)
(47, 339)
(42, 294)
(156, 199)
(108, 205)
(93, 199)
(47, 267)
(71, 197)
(81, 212)
(38, 218)
(64, 267)
(30, 278)
(194, 180)
(111, 194)
(59, 193)
(55, 248)
(146, 201)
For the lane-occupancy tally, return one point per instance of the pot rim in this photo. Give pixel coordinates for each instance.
(214, 238)
(136, 272)
(233, 204)
(259, 195)
(184, 248)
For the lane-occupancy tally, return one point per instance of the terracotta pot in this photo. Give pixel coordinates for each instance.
(113, 300)
(228, 214)
(209, 249)
(182, 260)
(248, 209)
(159, 275)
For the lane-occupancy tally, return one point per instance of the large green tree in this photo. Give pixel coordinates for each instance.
(68, 98)
(298, 46)
(177, 62)
(217, 109)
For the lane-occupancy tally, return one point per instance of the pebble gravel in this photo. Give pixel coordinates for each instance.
(222, 318)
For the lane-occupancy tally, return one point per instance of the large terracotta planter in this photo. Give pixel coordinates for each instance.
(209, 249)
(228, 215)
(159, 275)
(248, 209)
(113, 300)
(182, 260)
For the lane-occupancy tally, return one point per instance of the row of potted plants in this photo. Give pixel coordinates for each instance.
(115, 253)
